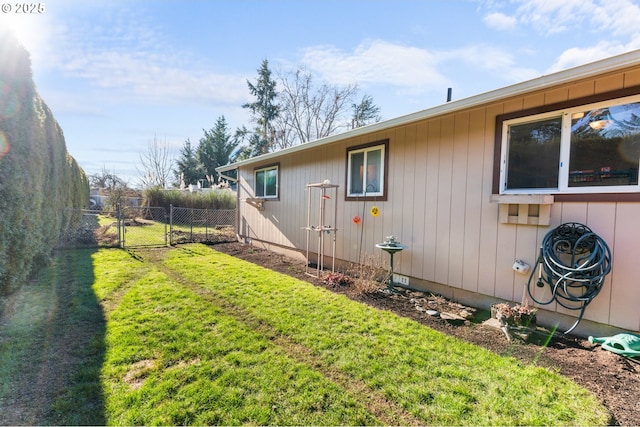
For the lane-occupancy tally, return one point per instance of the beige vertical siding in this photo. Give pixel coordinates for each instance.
(475, 144)
(440, 183)
(625, 295)
(418, 202)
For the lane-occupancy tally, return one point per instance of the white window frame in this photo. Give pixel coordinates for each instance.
(264, 169)
(565, 147)
(383, 160)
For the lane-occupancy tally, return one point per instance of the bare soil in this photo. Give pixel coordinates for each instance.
(614, 379)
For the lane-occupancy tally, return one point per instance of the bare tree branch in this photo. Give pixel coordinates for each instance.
(308, 112)
(156, 164)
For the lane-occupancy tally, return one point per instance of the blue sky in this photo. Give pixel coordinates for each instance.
(117, 73)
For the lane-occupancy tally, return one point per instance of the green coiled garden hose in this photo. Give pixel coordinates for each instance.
(573, 262)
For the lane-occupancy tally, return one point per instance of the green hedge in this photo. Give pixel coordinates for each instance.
(39, 181)
(213, 199)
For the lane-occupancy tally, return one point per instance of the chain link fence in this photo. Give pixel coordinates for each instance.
(147, 227)
(91, 228)
(202, 225)
(144, 226)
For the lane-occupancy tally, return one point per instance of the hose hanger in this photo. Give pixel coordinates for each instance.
(573, 262)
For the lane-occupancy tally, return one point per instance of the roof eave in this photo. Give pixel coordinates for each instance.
(573, 74)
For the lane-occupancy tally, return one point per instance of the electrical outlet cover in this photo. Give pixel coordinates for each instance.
(400, 279)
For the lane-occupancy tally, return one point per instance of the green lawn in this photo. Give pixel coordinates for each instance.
(145, 233)
(194, 336)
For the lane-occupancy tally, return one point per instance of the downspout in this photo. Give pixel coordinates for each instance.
(238, 204)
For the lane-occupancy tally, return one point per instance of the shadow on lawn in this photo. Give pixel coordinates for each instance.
(52, 347)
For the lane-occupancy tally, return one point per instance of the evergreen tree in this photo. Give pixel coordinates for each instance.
(215, 149)
(364, 113)
(264, 109)
(189, 170)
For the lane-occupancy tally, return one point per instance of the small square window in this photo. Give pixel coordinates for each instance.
(266, 182)
(366, 171)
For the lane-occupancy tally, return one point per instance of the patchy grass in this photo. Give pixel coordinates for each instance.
(436, 378)
(192, 336)
(175, 358)
(141, 232)
(52, 345)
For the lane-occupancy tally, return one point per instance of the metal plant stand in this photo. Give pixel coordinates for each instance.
(326, 194)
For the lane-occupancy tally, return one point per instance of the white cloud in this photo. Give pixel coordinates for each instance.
(377, 62)
(500, 21)
(552, 16)
(597, 17)
(136, 63)
(412, 70)
(620, 17)
(495, 60)
(578, 56)
(148, 79)
(597, 29)
(615, 26)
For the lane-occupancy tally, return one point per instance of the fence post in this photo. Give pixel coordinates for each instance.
(191, 226)
(164, 221)
(206, 224)
(120, 227)
(171, 224)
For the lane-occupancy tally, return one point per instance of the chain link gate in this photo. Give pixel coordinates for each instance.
(143, 226)
(201, 225)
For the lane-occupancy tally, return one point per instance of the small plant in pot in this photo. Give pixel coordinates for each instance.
(517, 315)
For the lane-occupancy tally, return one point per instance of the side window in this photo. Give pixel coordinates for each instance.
(605, 145)
(366, 171)
(585, 149)
(534, 154)
(266, 182)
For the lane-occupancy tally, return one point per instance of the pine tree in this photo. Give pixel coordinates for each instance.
(215, 149)
(189, 170)
(264, 109)
(364, 113)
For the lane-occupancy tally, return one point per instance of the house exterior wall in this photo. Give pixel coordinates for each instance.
(441, 172)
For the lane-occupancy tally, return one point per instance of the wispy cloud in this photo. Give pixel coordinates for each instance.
(131, 56)
(579, 56)
(551, 17)
(377, 62)
(148, 77)
(491, 59)
(500, 21)
(584, 20)
(410, 69)
(620, 17)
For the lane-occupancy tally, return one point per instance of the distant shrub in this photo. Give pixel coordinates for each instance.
(212, 199)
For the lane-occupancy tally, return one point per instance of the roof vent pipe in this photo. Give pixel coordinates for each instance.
(449, 90)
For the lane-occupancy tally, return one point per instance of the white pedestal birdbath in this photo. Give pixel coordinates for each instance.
(391, 246)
